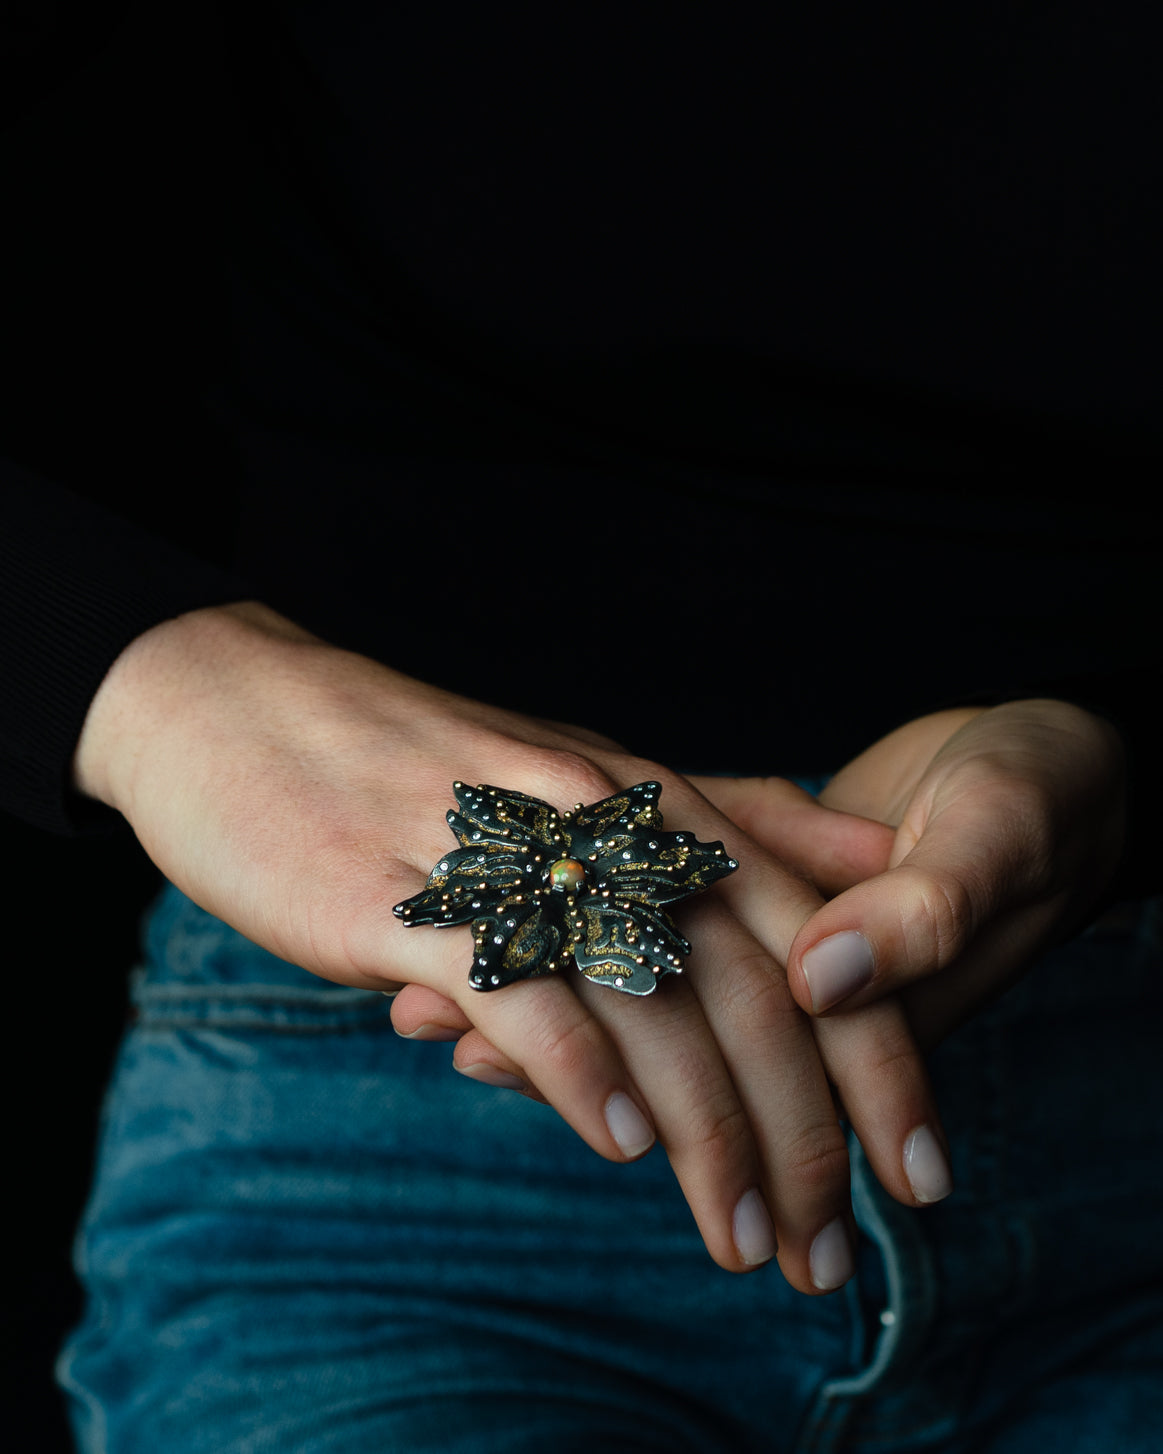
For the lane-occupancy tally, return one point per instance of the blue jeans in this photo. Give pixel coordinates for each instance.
(308, 1235)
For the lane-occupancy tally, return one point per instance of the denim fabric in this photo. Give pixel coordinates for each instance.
(308, 1235)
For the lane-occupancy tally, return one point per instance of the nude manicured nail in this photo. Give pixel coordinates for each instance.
(430, 1032)
(830, 1261)
(837, 967)
(752, 1230)
(490, 1075)
(926, 1166)
(628, 1126)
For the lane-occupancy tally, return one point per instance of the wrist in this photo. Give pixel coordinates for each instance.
(146, 683)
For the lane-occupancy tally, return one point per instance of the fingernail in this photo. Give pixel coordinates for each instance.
(628, 1126)
(430, 1032)
(926, 1166)
(490, 1075)
(837, 967)
(752, 1230)
(830, 1261)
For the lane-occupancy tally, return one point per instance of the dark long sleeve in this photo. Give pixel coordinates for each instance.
(117, 493)
(819, 393)
(77, 585)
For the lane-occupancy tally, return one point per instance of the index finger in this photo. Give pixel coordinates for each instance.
(871, 1057)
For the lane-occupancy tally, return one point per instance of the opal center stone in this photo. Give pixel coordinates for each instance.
(568, 875)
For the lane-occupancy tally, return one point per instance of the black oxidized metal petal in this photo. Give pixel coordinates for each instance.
(466, 881)
(518, 942)
(633, 808)
(542, 888)
(491, 815)
(628, 947)
(665, 868)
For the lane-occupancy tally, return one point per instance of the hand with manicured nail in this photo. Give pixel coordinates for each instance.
(871, 1058)
(1006, 827)
(952, 851)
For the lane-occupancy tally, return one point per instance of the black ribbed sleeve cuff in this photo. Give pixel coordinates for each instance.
(77, 585)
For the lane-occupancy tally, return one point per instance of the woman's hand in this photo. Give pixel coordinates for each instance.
(298, 792)
(870, 1058)
(1007, 827)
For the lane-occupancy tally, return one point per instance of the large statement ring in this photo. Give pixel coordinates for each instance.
(542, 888)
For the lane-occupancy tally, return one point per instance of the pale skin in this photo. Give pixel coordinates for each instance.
(298, 792)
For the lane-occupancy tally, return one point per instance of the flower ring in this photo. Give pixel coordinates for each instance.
(542, 888)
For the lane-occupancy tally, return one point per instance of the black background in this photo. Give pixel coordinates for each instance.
(85, 320)
(103, 266)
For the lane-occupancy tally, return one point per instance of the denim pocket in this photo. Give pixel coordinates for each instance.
(199, 972)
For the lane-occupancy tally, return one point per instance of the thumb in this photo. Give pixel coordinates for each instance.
(831, 849)
(951, 888)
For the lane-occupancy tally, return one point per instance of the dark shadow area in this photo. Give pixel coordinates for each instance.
(110, 312)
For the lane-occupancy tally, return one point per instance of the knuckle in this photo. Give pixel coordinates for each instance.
(816, 1162)
(720, 1131)
(943, 907)
(641, 769)
(567, 1048)
(568, 777)
(895, 1065)
(754, 992)
(708, 1123)
(872, 1055)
